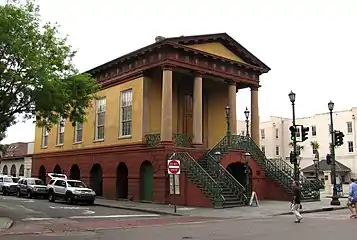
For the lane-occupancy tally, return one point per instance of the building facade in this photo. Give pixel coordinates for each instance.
(168, 100)
(276, 143)
(17, 159)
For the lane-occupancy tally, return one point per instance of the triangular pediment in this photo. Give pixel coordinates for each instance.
(216, 48)
(221, 44)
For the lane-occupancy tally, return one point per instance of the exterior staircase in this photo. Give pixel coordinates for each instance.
(223, 189)
(277, 170)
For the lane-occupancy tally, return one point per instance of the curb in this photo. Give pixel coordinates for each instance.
(138, 209)
(325, 209)
(8, 224)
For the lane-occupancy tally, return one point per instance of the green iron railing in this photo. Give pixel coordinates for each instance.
(179, 139)
(200, 177)
(278, 169)
(221, 174)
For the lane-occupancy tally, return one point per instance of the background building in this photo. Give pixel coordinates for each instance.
(275, 137)
(17, 159)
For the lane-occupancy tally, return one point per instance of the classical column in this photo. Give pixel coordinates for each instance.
(232, 101)
(166, 105)
(197, 111)
(254, 115)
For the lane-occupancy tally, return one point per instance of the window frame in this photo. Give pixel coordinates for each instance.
(60, 132)
(313, 133)
(45, 133)
(76, 130)
(277, 150)
(97, 112)
(122, 109)
(262, 134)
(350, 147)
(349, 127)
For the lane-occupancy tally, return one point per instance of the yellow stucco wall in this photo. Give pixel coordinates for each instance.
(216, 49)
(112, 121)
(217, 98)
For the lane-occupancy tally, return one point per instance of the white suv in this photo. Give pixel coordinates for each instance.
(59, 187)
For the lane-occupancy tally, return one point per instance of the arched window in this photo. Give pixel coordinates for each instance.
(22, 170)
(13, 170)
(4, 170)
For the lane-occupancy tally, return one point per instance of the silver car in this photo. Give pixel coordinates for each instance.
(31, 187)
(8, 185)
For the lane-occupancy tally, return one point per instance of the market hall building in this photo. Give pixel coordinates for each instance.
(170, 97)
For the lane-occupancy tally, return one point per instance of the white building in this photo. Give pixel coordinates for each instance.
(275, 137)
(17, 160)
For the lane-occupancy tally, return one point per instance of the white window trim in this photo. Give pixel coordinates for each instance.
(121, 113)
(96, 119)
(177, 184)
(348, 146)
(44, 135)
(76, 129)
(60, 131)
(349, 123)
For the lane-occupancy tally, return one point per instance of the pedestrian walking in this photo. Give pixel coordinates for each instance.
(352, 198)
(296, 202)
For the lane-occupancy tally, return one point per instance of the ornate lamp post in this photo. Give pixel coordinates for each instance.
(246, 113)
(228, 116)
(335, 201)
(247, 173)
(292, 97)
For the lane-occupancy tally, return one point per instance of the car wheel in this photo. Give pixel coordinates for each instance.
(91, 202)
(69, 199)
(29, 195)
(51, 197)
(4, 192)
(18, 193)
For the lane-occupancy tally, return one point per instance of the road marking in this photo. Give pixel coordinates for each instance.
(36, 219)
(5, 206)
(87, 212)
(69, 208)
(29, 201)
(115, 216)
(26, 209)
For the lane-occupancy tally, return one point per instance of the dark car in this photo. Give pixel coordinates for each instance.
(31, 187)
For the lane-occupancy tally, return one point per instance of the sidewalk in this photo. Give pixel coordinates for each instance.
(5, 223)
(266, 208)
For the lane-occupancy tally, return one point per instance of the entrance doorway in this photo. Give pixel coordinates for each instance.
(42, 174)
(122, 181)
(146, 182)
(238, 171)
(57, 169)
(96, 179)
(75, 172)
(188, 114)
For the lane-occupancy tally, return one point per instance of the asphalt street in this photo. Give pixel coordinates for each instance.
(23, 209)
(327, 225)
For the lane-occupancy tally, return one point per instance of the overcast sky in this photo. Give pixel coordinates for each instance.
(309, 45)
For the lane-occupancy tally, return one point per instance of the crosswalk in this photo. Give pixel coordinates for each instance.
(329, 216)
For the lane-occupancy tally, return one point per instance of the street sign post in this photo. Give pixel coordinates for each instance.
(173, 169)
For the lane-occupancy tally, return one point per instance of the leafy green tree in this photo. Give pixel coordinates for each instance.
(38, 79)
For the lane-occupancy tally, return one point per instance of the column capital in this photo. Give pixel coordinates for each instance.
(254, 88)
(229, 82)
(198, 74)
(167, 67)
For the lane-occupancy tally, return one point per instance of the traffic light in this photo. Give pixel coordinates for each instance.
(293, 157)
(304, 133)
(293, 133)
(339, 138)
(328, 159)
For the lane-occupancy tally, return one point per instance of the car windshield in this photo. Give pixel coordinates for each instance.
(9, 180)
(35, 182)
(76, 184)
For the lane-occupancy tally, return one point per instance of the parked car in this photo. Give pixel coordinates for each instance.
(7, 185)
(59, 187)
(31, 187)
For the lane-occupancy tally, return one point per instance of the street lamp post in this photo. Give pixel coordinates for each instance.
(247, 174)
(292, 97)
(246, 113)
(335, 201)
(228, 116)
